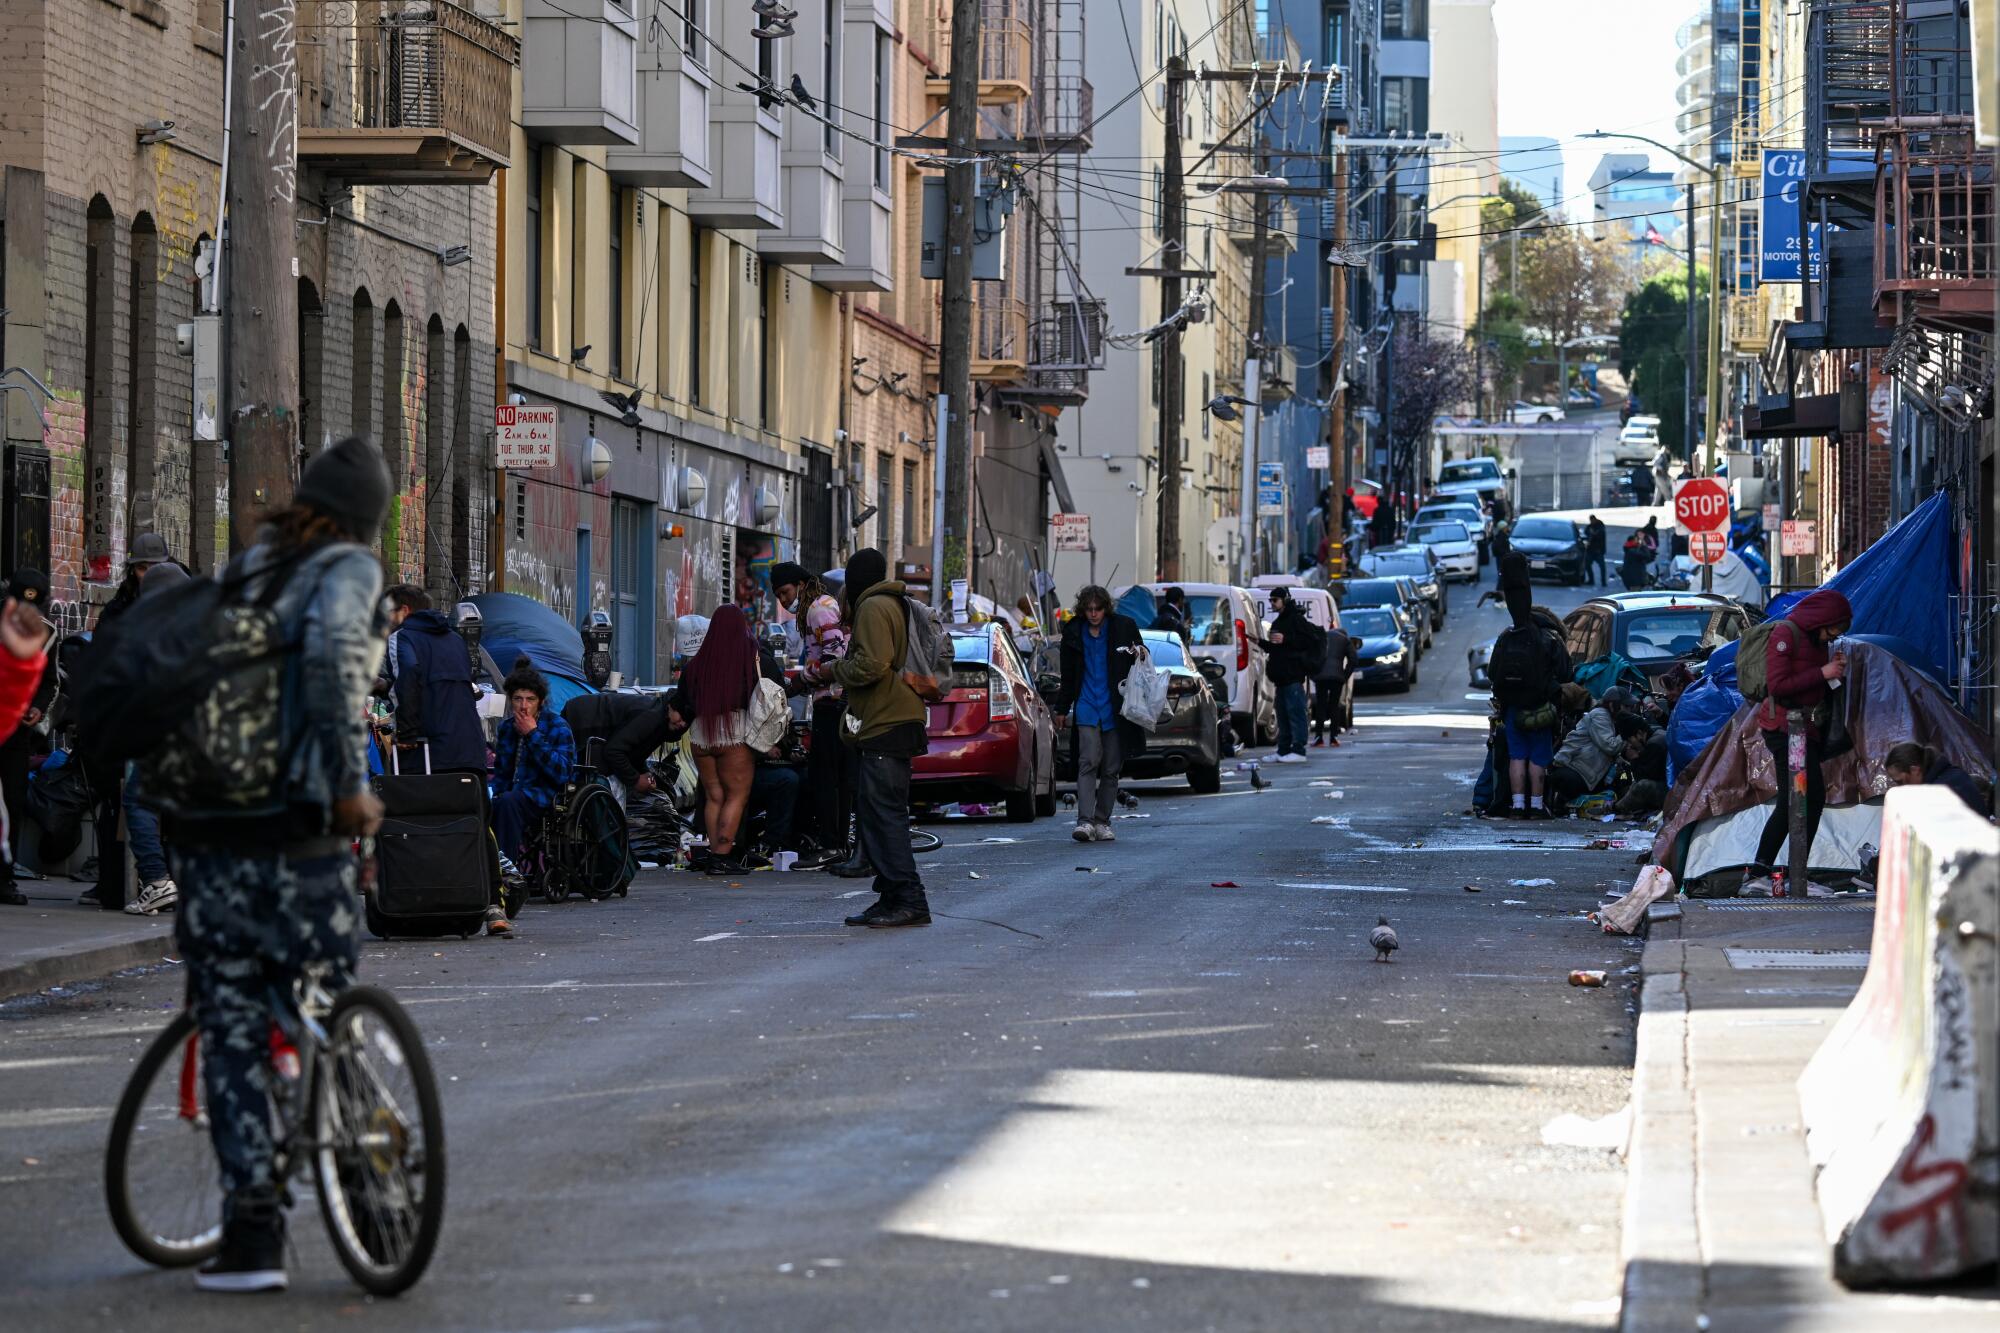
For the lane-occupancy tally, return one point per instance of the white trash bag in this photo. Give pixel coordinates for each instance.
(1143, 697)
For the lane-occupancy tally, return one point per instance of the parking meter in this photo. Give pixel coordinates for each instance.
(597, 649)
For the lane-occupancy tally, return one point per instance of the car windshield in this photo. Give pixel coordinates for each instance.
(1545, 529)
(1398, 562)
(1467, 514)
(1432, 533)
(1369, 623)
(1165, 648)
(1371, 592)
(1210, 621)
(1653, 636)
(972, 647)
(1481, 469)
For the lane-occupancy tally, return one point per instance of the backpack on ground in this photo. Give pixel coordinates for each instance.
(1519, 667)
(927, 656)
(191, 682)
(1750, 659)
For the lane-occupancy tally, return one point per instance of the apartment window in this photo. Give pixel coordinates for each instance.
(616, 294)
(394, 445)
(532, 188)
(909, 504)
(884, 529)
(579, 264)
(691, 43)
(1206, 393)
(1405, 106)
(1405, 20)
(884, 88)
(143, 381)
(697, 252)
(829, 80)
(1336, 37)
(764, 272)
(1159, 34)
(361, 378)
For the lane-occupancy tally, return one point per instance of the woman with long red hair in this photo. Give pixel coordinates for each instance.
(717, 686)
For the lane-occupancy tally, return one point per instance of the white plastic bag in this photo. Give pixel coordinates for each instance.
(1143, 697)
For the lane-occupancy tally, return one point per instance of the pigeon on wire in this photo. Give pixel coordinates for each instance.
(1383, 937)
(801, 96)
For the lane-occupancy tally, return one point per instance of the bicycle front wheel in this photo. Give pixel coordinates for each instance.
(379, 1131)
(923, 840)
(161, 1180)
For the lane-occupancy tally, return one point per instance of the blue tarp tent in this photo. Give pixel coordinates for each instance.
(514, 626)
(1901, 590)
(1138, 603)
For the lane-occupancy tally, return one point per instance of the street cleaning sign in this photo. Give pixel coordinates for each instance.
(527, 435)
(1788, 245)
(1270, 490)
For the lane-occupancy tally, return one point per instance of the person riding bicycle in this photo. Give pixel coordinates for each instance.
(259, 907)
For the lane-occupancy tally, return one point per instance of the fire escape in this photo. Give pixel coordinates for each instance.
(1037, 333)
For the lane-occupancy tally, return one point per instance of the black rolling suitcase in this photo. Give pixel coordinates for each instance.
(434, 860)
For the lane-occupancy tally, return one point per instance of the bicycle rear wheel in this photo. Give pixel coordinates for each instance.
(160, 1173)
(380, 1160)
(923, 840)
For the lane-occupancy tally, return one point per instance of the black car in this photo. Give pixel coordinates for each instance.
(1416, 563)
(1554, 547)
(1385, 646)
(1399, 593)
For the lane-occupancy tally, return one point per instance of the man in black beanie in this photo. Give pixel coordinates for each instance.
(262, 899)
(885, 724)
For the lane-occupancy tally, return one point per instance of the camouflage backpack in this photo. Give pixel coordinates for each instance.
(193, 683)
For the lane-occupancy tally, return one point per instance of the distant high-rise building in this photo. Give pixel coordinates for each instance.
(1629, 199)
(1537, 162)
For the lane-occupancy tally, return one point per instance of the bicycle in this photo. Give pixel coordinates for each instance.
(351, 1090)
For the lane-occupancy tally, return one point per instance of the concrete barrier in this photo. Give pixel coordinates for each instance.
(1902, 1101)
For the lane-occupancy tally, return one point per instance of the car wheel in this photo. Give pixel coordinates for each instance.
(1021, 806)
(1409, 680)
(1545, 418)
(1045, 804)
(1205, 779)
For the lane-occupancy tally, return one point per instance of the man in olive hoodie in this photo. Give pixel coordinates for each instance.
(885, 724)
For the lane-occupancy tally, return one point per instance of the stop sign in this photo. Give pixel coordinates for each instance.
(1701, 504)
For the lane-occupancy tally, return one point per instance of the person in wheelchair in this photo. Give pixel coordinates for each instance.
(534, 759)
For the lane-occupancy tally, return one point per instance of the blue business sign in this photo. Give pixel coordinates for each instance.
(1788, 244)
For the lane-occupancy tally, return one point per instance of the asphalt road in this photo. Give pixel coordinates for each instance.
(1170, 1093)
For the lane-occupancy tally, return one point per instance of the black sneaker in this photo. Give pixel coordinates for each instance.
(252, 1257)
(904, 915)
(12, 897)
(867, 915)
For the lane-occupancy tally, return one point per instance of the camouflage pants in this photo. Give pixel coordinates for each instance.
(246, 925)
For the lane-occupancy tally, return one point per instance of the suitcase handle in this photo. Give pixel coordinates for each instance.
(396, 749)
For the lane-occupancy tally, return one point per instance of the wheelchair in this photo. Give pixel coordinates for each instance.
(582, 846)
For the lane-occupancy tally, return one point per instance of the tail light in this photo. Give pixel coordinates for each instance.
(1242, 647)
(1182, 685)
(999, 698)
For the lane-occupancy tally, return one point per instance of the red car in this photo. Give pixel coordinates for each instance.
(993, 737)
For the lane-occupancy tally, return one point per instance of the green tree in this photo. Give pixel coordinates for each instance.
(1509, 344)
(1652, 350)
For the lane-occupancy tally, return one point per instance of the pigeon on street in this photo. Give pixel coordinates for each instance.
(1383, 937)
(801, 96)
(1257, 778)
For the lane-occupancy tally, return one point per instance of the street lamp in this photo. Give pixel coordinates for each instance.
(1243, 184)
(1714, 416)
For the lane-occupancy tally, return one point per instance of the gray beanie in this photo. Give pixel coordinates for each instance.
(350, 482)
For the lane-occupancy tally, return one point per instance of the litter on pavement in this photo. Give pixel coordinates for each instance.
(1569, 1130)
(1224, 884)
(1586, 977)
(1623, 917)
(1531, 883)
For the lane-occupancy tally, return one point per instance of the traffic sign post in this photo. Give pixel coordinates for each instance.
(1071, 532)
(1701, 504)
(1707, 548)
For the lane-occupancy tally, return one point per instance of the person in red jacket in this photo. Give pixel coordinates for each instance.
(1799, 672)
(23, 636)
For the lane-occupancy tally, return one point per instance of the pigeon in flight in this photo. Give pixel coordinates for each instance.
(801, 96)
(1383, 937)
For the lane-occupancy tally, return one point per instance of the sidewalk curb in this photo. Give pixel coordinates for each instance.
(82, 965)
(1660, 1242)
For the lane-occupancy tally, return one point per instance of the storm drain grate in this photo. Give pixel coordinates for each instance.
(1762, 959)
(1807, 905)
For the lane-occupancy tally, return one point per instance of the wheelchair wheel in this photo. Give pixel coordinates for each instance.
(597, 850)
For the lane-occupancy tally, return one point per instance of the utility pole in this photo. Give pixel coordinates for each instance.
(260, 317)
(961, 187)
(1336, 425)
(1253, 422)
(1687, 361)
(1173, 372)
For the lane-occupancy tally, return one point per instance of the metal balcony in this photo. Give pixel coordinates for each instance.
(395, 93)
(1749, 324)
(1282, 229)
(1936, 232)
(1064, 346)
(1000, 343)
(1006, 56)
